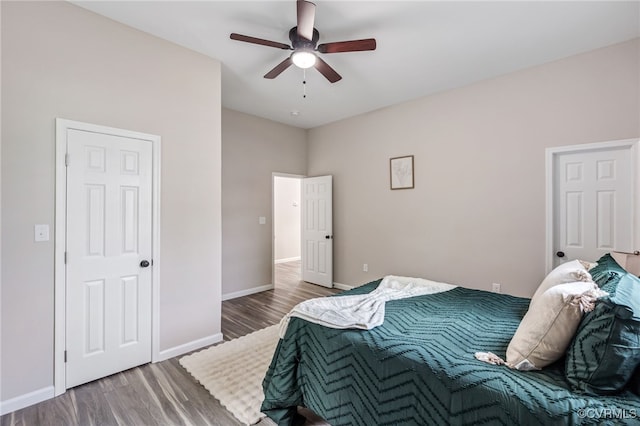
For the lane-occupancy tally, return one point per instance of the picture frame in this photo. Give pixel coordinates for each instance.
(401, 172)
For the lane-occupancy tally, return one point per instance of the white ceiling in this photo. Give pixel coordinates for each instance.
(424, 47)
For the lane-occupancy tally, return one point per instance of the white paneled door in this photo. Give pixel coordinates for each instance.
(317, 230)
(594, 203)
(109, 247)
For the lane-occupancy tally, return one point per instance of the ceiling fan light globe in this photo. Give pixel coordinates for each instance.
(303, 59)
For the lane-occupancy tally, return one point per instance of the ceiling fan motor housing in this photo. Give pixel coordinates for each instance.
(298, 42)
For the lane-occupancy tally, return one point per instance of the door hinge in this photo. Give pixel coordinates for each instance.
(65, 257)
(65, 356)
(66, 160)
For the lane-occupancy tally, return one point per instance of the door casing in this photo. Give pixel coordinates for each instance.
(551, 157)
(60, 231)
(273, 221)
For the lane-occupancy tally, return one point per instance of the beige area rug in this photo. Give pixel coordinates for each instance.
(233, 372)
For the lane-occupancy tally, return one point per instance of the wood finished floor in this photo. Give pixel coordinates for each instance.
(164, 393)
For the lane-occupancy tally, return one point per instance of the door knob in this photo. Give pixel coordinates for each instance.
(560, 254)
(144, 263)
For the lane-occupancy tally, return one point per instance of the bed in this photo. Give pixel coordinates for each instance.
(418, 368)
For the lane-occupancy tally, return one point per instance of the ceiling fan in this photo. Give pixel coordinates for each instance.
(304, 38)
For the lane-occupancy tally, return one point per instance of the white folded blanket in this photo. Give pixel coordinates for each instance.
(361, 311)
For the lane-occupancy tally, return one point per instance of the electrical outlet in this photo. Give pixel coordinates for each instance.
(496, 288)
(365, 267)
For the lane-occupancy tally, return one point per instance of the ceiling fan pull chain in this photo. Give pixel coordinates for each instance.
(304, 83)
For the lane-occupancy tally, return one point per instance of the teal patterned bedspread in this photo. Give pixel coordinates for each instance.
(418, 368)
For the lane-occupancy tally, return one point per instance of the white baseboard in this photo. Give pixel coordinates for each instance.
(246, 292)
(287, 259)
(342, 286)
(188, 347)
(23, 401)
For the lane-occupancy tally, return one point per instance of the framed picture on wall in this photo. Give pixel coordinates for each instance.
(401, 171)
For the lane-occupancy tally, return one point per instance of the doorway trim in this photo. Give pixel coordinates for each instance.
(550, 158)
(60, 232)
(273, 219)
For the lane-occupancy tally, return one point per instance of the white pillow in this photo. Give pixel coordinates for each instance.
(568, 272)
(549, 325)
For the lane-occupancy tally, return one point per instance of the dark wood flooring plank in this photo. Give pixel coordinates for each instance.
(57, 411)
(24, 417)
(91, 406)
(127, 408)
(162, 403)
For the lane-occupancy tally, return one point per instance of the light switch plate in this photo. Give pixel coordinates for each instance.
(41, 233)
(262, 220)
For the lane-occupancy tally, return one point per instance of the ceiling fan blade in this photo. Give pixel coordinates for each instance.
(277, 70)
(306, 18)
(348, 46)
(327, 71)
(260, 41)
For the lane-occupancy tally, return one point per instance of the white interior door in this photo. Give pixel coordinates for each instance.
(109, 247)
(317, 230)
(593, 203)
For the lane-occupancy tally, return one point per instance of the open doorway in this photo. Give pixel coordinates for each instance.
(286, 230)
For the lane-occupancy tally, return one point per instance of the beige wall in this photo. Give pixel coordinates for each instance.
(59, 60)
(477, 213)
(252, 149)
